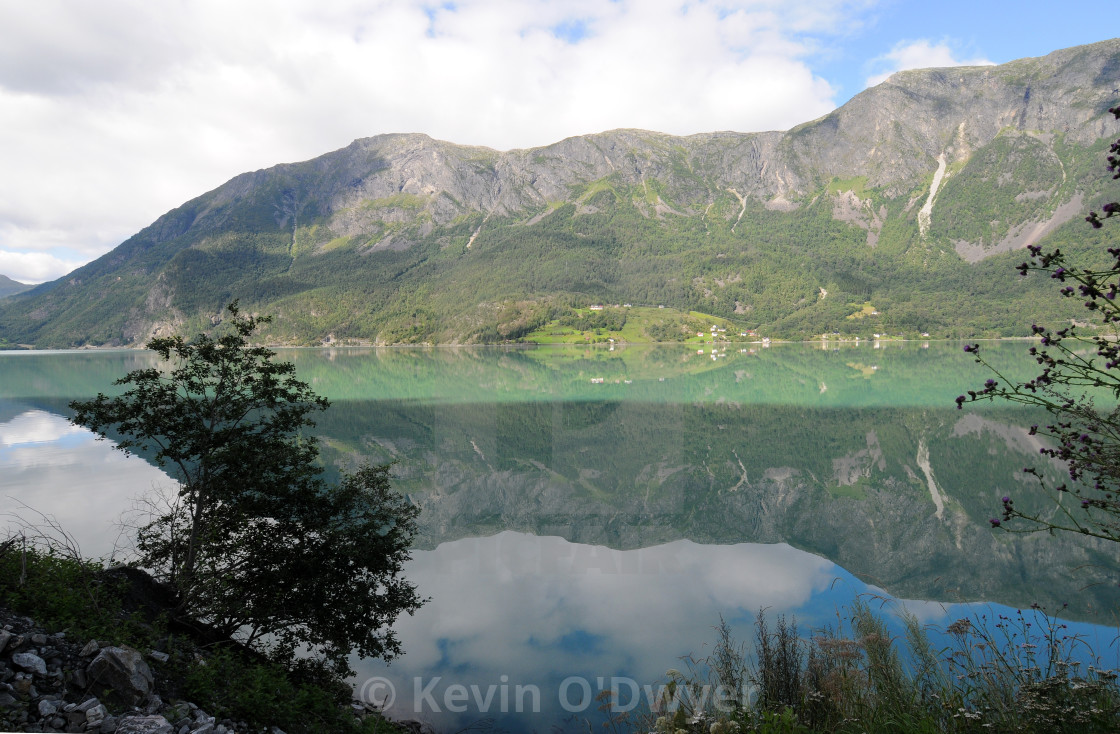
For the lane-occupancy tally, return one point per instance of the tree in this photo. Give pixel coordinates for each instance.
(1078, 369)
(253, 541)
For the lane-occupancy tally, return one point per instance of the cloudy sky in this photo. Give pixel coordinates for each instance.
(113, 112)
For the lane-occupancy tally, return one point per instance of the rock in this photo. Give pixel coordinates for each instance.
(108, 726)
(144, 725)
(79, 679)
(7, 700)
(122, 671)
(30, 662)
(206, 728)
(5, 635)
(38, 639)
(24, 687)
(90, 648)
(87, 705)
(47, 708)
(96, 715)
(160, 656)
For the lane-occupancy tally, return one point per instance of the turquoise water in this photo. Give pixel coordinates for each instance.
(588, 515)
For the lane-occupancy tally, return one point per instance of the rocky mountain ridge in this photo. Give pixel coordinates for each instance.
(389, 239)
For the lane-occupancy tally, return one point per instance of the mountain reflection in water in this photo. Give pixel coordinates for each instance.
(588, 512)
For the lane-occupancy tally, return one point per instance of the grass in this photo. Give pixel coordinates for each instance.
(1017, 674)
(641, 327)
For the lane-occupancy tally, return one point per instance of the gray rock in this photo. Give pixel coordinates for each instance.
(87, 705)
(24, 687)
(30, 662)
(6, 700)
(91, 647)
(206, 728)
(122, 671)
(5, 635)
(153, 724)
(47, 708)
(57, 722)
(108, 726)
(38, 639)
(96, 715)
(79, 679)
(160, 656)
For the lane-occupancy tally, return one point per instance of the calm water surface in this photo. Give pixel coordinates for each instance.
(590, 514)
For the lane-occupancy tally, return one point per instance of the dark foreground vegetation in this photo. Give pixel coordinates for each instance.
(71, 602)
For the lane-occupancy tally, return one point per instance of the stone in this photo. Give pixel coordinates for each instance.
(78, 678)
(108, 726)
(153, 724)
(24, 687)
(5, 635)
(122, 671)
(96, 715)
(58, 722)
(48, 708)
(160, 656)
(38, 639)
(7, 700)
(90, 648)
(206, 728)
(87, 705)
(30, 662)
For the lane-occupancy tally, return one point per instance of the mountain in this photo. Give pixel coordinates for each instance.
(9, 287)
(908, 201)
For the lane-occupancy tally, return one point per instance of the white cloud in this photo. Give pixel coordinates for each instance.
(37, 426)
(116, 112)
(920, 54)
(511, 604)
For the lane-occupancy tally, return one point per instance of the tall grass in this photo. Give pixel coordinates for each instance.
(1020, 673)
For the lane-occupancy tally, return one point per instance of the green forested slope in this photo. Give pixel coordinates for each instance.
(404, 239)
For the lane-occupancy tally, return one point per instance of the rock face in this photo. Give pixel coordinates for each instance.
(930, 170)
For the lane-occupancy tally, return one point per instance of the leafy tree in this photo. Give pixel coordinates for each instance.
(253, 541)
(1078, 370)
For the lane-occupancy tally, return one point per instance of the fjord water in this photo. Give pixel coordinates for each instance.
(591, 513)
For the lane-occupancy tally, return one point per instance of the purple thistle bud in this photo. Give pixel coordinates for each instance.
(1005, 499)
(994, 522)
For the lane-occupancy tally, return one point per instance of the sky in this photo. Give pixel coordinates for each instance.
(114, 112)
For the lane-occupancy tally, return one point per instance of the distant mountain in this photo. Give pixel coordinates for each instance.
(911, 199)
(9, 287)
